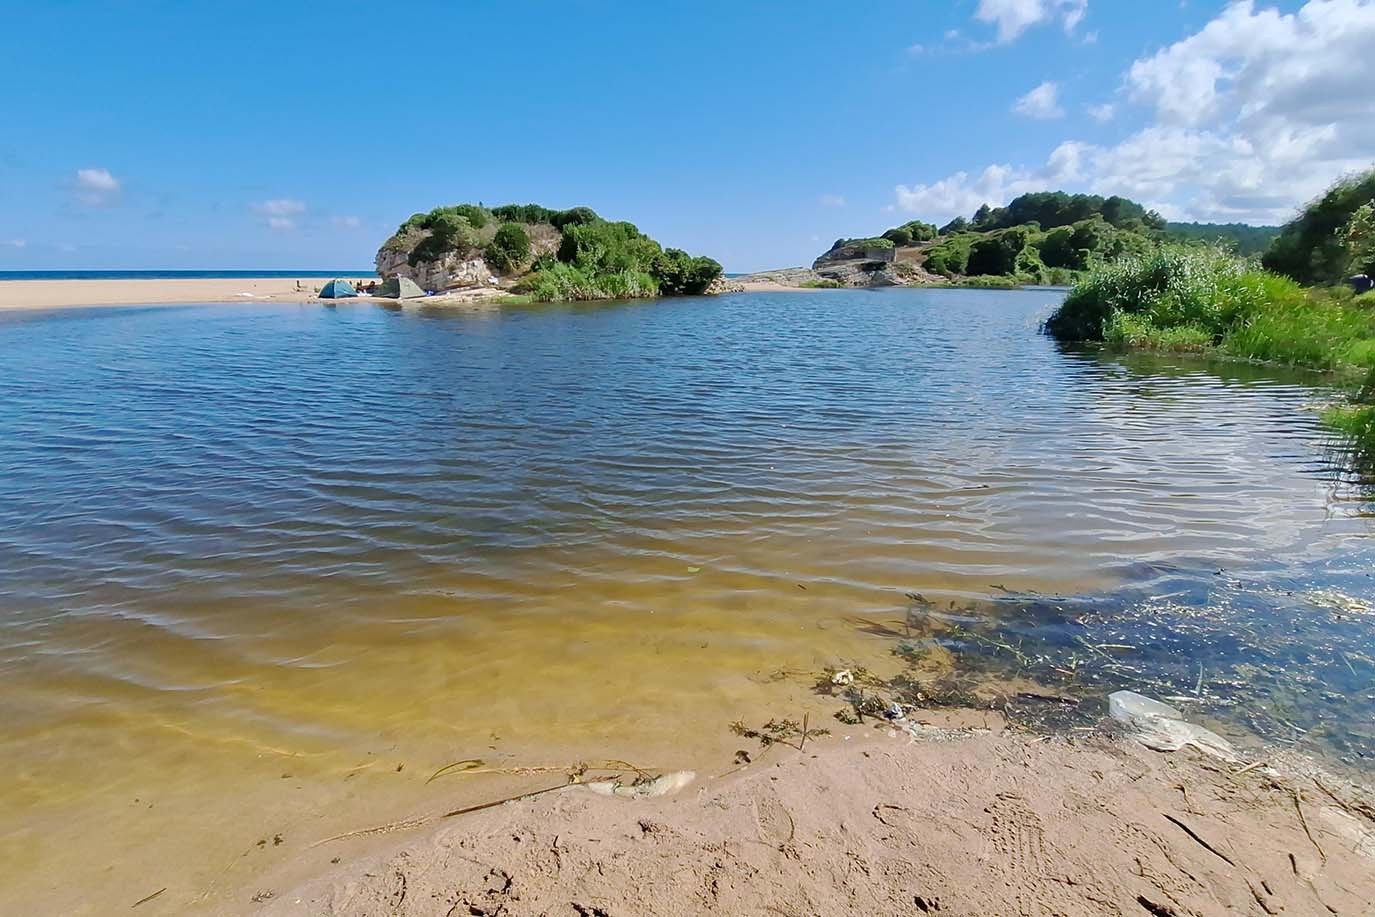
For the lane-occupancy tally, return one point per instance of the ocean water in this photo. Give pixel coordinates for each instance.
(264, 570)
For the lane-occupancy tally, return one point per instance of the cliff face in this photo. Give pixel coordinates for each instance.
(449, 272)
(454, 269)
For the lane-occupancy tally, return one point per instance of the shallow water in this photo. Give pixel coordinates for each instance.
(265, 568)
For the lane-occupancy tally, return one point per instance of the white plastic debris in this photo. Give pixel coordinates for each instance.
(644, 789)
(843, 678)
(1162, 728)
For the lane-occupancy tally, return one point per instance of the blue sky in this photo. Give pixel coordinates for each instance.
(297, 135)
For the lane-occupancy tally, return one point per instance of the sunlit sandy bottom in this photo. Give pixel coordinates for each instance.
(264, 571)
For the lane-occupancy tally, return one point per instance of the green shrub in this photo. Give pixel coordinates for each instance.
(678, 273)
(607, 247)
(1358, 237)
(569, 283)
(523, 213)
(996, 253)
(508, 249)
(899, 236)
(950, 256)
(1208, 297)
(449, 231)
(578, 216)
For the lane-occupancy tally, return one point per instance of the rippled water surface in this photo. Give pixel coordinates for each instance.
(265, 568)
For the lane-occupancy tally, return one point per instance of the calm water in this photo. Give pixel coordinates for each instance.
(265, 568)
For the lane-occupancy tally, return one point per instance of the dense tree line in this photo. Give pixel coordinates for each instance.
(1315, 247)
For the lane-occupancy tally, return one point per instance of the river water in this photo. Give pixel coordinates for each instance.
(266, 568)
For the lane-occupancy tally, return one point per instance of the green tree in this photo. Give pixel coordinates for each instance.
(508, 249)
(1311, 248)
(997, 253)
(1359, 238)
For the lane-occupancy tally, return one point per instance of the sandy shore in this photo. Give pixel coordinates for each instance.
(882, 823)
(53, 294)
(62, 294)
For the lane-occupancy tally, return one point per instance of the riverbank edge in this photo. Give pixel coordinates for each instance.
(975, 819)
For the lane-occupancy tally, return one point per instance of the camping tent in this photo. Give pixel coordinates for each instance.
(337, 289)
(400, 288)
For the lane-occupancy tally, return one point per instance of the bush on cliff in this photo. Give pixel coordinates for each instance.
(509, 248)
(449, 231)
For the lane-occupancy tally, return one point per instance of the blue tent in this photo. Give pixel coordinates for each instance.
(337, 289)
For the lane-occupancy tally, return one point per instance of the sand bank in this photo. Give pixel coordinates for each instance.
(53, 294)
(879, 823)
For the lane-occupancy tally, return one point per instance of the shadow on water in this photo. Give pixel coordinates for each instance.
(1282, 655)
(1345, 461)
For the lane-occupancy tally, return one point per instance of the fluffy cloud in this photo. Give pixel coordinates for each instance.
(1042, 103)
(95, 186)
(961, 194)
(1013, 17)
(1248, 118)
(281, 213)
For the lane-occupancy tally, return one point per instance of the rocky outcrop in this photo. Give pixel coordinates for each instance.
(855, 251)
(450, 272)
(857, 273)
(724, 284)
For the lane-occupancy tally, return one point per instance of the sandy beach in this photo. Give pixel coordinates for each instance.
(63, 294)
(883, 822)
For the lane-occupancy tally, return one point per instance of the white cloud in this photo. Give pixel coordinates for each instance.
(1013, 17)
(13, 243)
(1042, 103)
(346, 222)
(281, 213)
(1247, 118)
(831, 200)
(961, 194)
(1102, 113)
(95, 186)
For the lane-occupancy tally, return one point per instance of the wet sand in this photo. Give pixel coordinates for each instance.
(880, 822)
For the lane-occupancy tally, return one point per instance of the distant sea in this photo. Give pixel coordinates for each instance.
(175, 275)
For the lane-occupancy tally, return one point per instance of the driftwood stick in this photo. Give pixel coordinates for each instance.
(146, 898)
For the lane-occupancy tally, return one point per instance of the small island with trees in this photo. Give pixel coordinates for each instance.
(530, 251)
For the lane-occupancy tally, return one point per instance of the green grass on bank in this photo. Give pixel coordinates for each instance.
(1204, 300)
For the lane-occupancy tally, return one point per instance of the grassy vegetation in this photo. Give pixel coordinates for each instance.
(1204, 300)
(822, 284)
